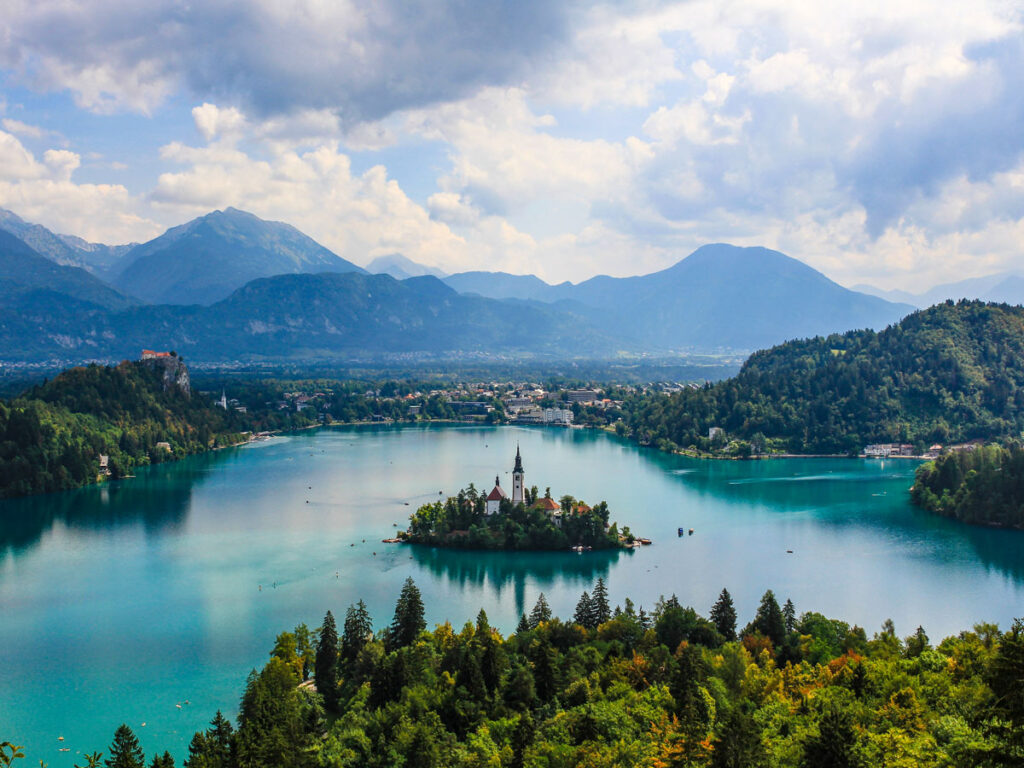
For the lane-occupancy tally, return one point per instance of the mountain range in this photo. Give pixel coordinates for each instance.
(229, 286)
(1001, 288)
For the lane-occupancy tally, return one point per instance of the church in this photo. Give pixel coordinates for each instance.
(498, 493)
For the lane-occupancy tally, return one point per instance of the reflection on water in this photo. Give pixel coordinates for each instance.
(158, 499)
(501, 571)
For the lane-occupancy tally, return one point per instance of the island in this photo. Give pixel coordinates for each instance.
(525, 520)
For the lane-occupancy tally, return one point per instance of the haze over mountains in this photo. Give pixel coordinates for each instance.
(1003, 288)
(231, 286)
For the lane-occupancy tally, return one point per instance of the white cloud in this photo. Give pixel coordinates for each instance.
(44, 193)
(22, 129)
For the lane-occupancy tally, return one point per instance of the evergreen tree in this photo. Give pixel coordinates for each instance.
(325, 667)
(1006, 679)
(835, 744)
(602, 611)
(789, 615)
(211, 749)
(541, 612)
(162, 761)
(916, 644)
(630, 609)
(738, 743)
(584, 615)
(723, 615)
(645, 620)
(358, 630)
(408, 621)
(524, 624)
(125, 751)
(769, 620)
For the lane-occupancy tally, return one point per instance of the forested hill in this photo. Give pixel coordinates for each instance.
(52, 437)
(949, 373)
(982, 484)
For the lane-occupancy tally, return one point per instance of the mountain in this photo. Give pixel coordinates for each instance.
(104, 261)
(945, 374)
(400, 268)
(41, 240)
(206, 259)
(32, 283)
(719, 297)
(1002, 287)
(325, 315)
(66, 250)
(502, 285)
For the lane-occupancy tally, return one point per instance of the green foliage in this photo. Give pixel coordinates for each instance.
(125, 751)
(946, 374)
(723, 615)
(979, 484)
(325, 669)
(560, 695)
(51, 438)
(461, 521)
(408, 621)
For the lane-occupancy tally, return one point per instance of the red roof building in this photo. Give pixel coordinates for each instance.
(494, 498)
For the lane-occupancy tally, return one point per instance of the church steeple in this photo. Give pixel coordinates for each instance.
(517, 479)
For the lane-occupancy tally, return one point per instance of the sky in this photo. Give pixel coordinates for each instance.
(877, 141)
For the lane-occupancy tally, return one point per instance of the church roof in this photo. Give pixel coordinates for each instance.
(547, 505)
(498, 493)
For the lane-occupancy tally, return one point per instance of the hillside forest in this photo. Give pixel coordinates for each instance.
(617, 687)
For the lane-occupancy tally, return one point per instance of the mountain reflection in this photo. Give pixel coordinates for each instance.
(158, 499)
(501, 571)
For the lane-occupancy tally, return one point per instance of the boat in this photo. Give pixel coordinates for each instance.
(645, 542)
(690, 532)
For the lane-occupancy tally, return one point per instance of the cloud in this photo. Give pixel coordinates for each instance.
(879, 140)
(22, 129)
(360, 60)
(44, 193)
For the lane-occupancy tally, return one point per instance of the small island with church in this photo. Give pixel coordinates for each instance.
(526, 520)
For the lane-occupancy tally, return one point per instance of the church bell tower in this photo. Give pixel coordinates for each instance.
(517, 480)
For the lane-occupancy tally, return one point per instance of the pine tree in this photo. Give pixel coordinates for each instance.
(584, 615)
(408, 621)
(162, 761)
(644, 619)
(769, 621)
(738, 743)
(630, 610)
(125, 751)
(325, 667)
(211, 749)
(524, 625)
(602, 611)
(541, 612)
(723, 615)
(789, 614)
(835, 744)
(358, 629)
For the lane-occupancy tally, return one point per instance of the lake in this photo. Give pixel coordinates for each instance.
(121, 602)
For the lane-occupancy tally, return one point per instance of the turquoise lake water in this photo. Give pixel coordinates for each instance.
(118, 603)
